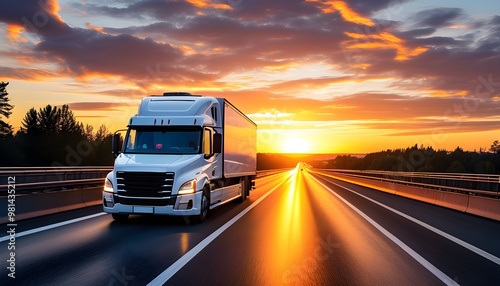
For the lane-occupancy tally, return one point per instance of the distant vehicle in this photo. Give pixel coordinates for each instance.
(182, 155)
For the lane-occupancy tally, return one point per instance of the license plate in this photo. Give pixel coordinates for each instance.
(143, 210)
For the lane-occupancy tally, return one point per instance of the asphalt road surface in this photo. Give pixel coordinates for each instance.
(298, 227)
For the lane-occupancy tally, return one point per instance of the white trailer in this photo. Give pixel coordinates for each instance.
(182, 155)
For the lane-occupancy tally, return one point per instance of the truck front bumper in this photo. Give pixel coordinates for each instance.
(185, 205)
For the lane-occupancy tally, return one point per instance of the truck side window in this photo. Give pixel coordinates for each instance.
(207, 142)
(214, 113)
(131, 144)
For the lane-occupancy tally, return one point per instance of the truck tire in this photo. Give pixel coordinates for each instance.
(244, 189)
(204, 205)
(120, 217)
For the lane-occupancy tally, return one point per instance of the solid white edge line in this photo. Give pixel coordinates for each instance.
(47, 227)
(183, 260)
(450, 237)
(426, 264)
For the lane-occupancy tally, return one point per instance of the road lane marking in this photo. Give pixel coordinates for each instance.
(183, 260)
(450, 237)
(426, 264)
(47, 227)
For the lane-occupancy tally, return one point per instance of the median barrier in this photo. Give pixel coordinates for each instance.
(384, 186)
(92, 196)
(477, 205)
(451, 200)
(483, 206)
(417, 193)
(38, 204)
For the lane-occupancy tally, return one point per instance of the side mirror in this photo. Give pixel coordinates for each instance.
(115, 143)
(217, 141)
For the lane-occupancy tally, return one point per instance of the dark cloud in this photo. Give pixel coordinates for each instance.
(86, 52)
(438, 17)
(229, 45)
(41, 13)
(369, 7)
(244, 10)
(449, 64)
(180, 12)
(278, 10)
(418, 33)
(439, 41)
(491, 42)
(147, 9)
(495, 21)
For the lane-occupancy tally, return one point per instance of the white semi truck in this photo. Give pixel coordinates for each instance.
(182, 155)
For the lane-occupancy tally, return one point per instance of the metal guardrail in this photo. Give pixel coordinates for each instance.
(472, 184)
(50, 178)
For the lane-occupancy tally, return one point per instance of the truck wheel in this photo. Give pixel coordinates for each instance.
(205, 205)
(120, 217)
(244, 189)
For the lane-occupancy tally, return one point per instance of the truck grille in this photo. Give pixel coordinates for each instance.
(145, 202)
(145, 184)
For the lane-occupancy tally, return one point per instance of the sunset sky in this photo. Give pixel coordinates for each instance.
(316, 76)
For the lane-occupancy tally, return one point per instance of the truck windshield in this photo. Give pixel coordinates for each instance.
(163, 140)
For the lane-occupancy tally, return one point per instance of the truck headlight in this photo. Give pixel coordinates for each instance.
(108, 186)
(188, 187)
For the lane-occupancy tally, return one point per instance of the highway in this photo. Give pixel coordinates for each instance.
(298, 227)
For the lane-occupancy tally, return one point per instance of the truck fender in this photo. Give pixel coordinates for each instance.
(202, 182)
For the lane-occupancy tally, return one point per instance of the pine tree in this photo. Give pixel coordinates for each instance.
(51, 136)
(30, 124)
(495, 147)
(5, 110)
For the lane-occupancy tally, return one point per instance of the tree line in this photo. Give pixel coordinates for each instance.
(51, 136)
(421, 159)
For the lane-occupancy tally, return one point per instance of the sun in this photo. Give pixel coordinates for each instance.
(295, 145)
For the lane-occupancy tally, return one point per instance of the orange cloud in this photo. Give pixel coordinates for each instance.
(406, 53)
(361, 65)
(208, 4)
(88, 76)
(445, 93)
(383, 37)
(26, 74)
(385, 40)
(14, 33)
(100, 30)
(187, 50)
(345, 11)
(388, 37)
(311, 83)
(281, 66)
(53, 8)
